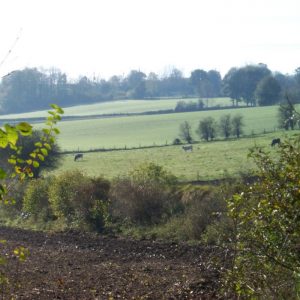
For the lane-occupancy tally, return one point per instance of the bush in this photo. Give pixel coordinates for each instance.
(203, 207)
(147, 196)
(177, 141)
(12, 207)
(266, 215)
(36, 199)
(207, 128)
(79, 199)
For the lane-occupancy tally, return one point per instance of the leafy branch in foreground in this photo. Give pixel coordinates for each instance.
(267, 217)
(23, 168)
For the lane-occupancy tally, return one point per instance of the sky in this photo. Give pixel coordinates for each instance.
(102, 38)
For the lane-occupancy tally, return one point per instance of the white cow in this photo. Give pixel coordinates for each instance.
(187, 148)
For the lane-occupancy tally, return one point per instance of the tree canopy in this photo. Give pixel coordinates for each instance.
(34, 89)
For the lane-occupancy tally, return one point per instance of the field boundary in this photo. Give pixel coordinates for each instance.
(125, 148)
(103, 116)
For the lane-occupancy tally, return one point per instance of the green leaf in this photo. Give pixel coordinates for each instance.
(41, 157)
(57, 108)
(12, 161)
(46, 145)
(54, 106)
(33, 155)
(2, 174)
(3, 139)
(35, 164)
(46, 131)
(12, 134)
(56, 130)
(38, 144)
(24, 128)
(50, 120)
(44, 151)
(29, 161)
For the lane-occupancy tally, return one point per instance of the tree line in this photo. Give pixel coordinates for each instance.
(33, 89)
(208, 128)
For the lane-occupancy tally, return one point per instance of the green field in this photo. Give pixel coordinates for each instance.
(209, 160)
(135, 131)
(120, 107)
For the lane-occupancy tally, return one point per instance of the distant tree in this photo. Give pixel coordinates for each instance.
(200, 104)
(173, 83)
(152, 85)
(231, 86)
(186, 106)
(226, 125)
(268, 91)
(216, 81)
(201, 83)
(297, 75)
(185, 132)
(237, 125)
(32, 89)
(24, 91)
(241, 83)
(288, 117)
(136, 84)
(286, 82)
(207, 128)
(177, 141)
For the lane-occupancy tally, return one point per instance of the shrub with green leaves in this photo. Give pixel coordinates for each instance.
(79, 199)
(203, 207)
(266, 214)
(35, 200)
(147, 196)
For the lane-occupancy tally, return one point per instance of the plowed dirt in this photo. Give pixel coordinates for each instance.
(77, 265)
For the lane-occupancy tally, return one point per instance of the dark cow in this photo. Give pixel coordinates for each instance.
(275, 141)
(78, 156)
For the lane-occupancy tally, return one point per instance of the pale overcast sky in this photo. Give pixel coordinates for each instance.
(112, 37)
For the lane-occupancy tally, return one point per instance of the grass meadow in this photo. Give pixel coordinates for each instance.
(147, 130)
(212, 160)
(209, 160)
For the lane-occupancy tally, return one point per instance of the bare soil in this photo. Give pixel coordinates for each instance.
(78, 265)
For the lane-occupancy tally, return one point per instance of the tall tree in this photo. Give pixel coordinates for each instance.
(241, 83)
(216, 82)
(173, 83)
(207, 128)
(231, 86)
(288, 117)
(152, 85)
(226, 125)
(268, 91)
(237, 125)
(136, 84)
(201, 83)
(185, 131)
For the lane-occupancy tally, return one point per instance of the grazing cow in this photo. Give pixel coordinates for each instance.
(187, 148)
(275, 141)
(77, 156)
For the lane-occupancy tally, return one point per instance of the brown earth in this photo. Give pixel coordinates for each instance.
(76, 265)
